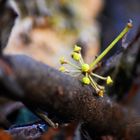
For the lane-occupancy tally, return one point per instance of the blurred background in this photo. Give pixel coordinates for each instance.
(48, 29)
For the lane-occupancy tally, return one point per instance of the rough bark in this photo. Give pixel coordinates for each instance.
(64, 97)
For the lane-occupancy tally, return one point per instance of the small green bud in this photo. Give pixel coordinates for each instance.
(86, 80)
(77, 49)
(85, 67)
(62, 69)
(101, 93)
(76, 56)
(62, 60)
(109, 81)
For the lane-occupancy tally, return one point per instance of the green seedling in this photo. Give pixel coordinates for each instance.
(86, 70)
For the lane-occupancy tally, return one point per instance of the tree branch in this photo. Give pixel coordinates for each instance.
(64, 97)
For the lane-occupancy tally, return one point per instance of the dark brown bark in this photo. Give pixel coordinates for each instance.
(64, 97)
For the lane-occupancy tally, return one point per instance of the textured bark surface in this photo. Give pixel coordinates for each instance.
(64, 97)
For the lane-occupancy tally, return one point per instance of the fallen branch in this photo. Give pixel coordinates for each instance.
(64, 97)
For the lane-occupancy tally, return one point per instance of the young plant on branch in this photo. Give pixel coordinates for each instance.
(86, 70)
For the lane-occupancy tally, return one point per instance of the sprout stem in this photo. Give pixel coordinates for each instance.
(120, 36)
(73, 65)
(98, 76)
